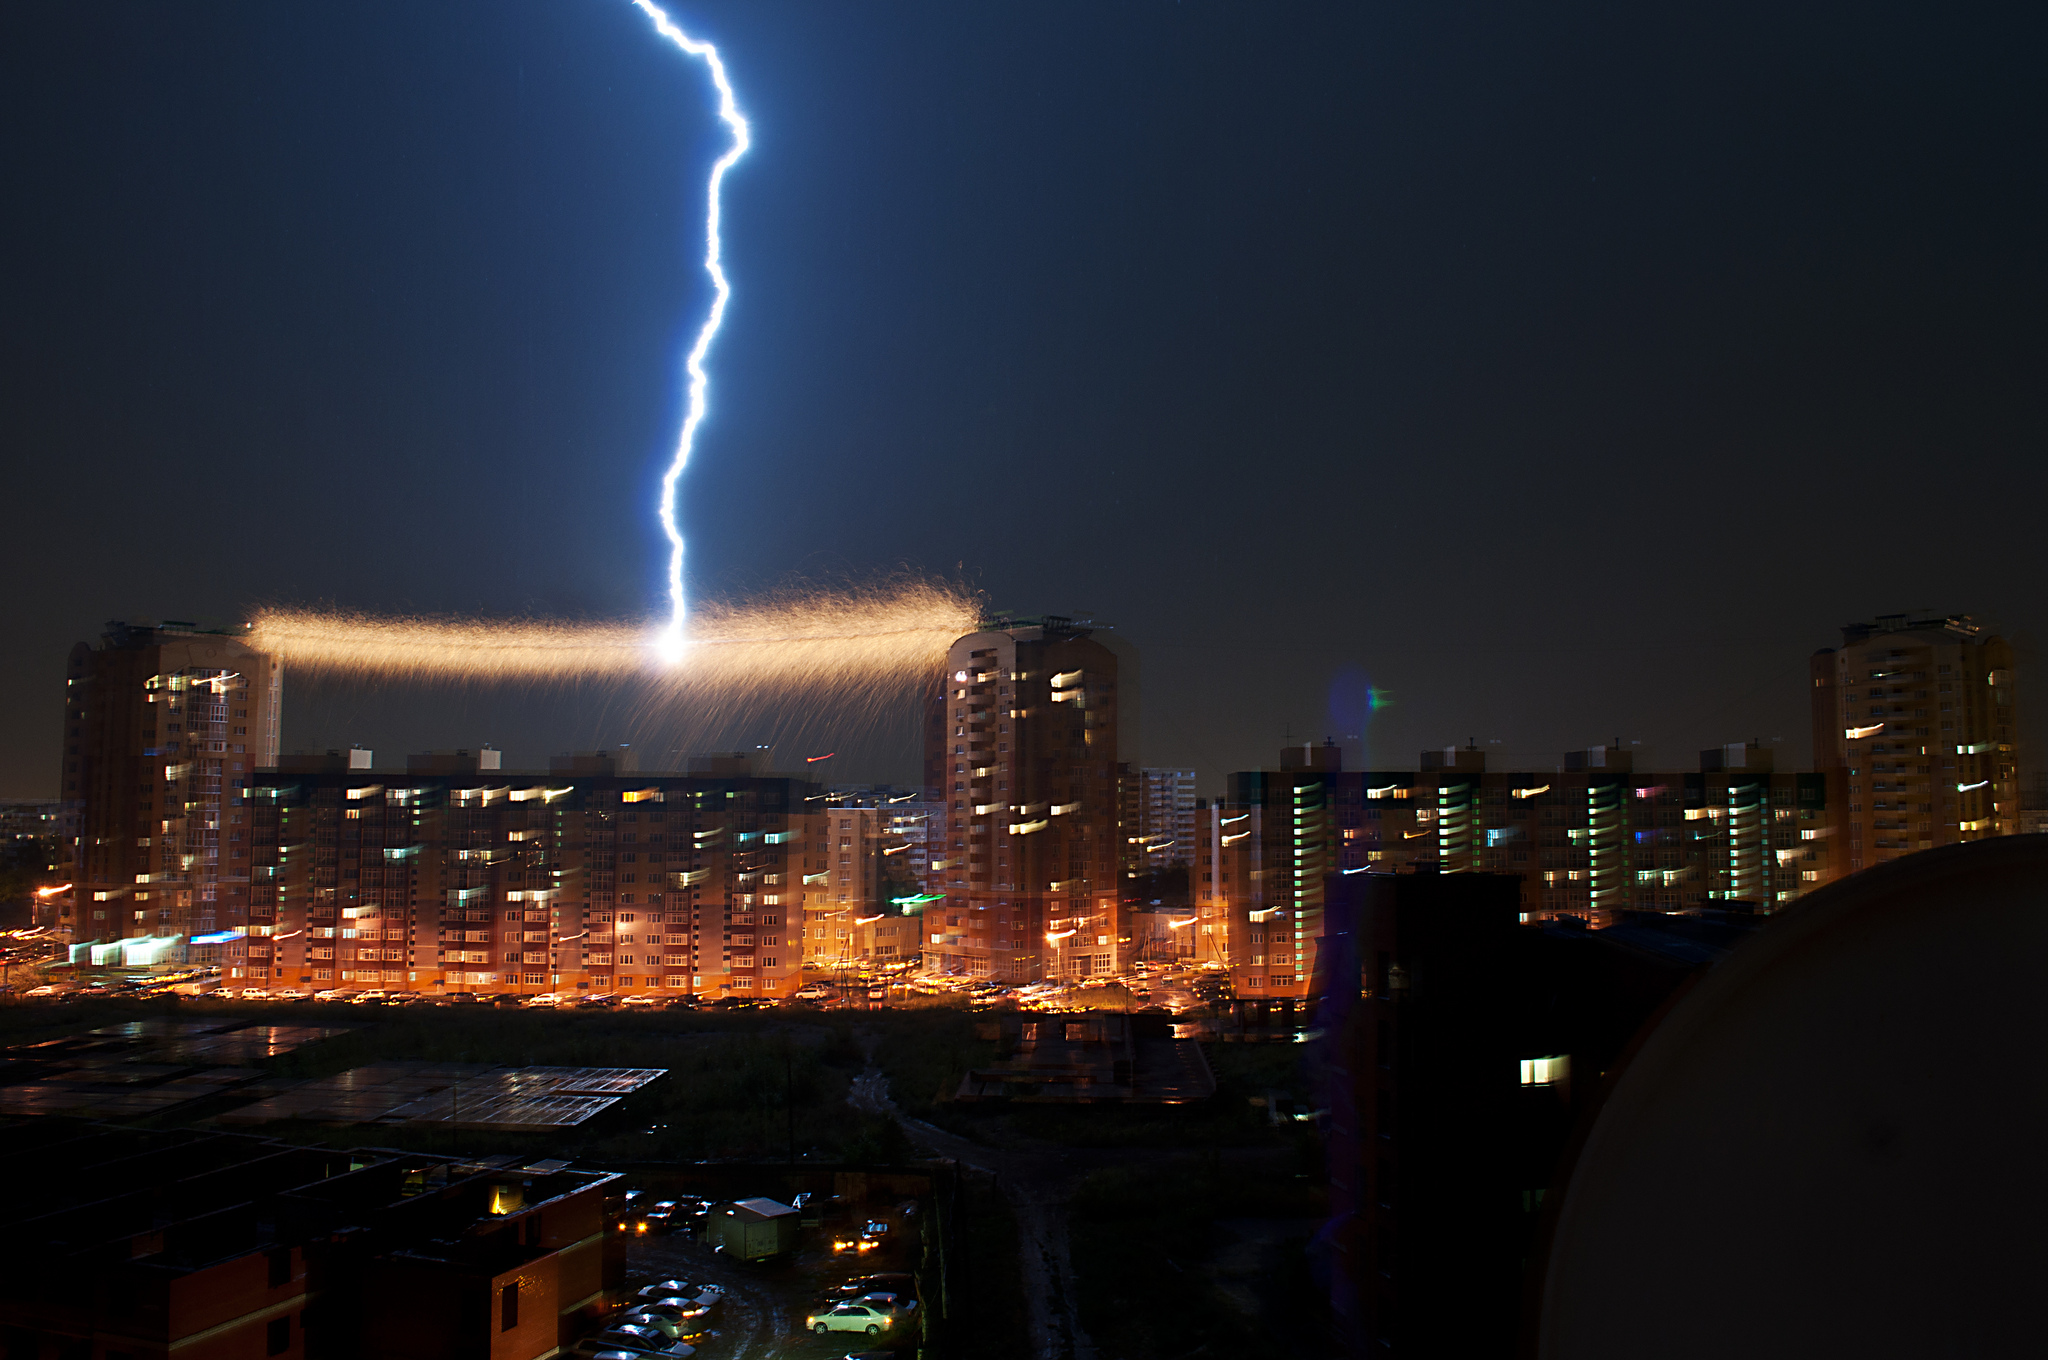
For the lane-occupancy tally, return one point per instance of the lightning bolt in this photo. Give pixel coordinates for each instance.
(670, 641)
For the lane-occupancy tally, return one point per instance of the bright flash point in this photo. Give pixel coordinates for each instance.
(670, 645)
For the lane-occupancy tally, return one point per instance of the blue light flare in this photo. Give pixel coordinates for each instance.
(670, 641)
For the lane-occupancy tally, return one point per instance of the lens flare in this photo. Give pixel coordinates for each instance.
(669, 642)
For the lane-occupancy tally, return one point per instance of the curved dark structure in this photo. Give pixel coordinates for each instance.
(1834, 1143)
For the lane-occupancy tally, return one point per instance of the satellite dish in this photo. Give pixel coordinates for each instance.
(1834, 1144)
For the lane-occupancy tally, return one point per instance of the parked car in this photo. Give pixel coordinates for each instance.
(641, 999)
(895, 1305)
(878, 993)
(814, 992)
(903, 1286)
(373, 996)
(45, 990)
(632, 1336)
(291, 994)
(331, 994)
(544, 999)
(661, 1290)
(254, 993)
(631, 1343)
(851, 1317)
(673, 1318)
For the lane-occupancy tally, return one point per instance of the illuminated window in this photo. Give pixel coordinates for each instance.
(1546, 1071)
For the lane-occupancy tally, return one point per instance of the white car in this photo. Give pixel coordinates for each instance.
(331, 994)
(369, 998)
(641, 999)
(255, 993)
(544, 999)
(45, 990)
(812, 993)
(851, 1317)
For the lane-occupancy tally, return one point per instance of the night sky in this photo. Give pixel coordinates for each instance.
(1552, 372)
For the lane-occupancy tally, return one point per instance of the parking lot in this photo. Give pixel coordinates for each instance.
(766, 1303)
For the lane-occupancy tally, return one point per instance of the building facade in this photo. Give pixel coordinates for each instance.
(164, 725)
(1158, 818)
(1916, 727)
(1023, 754)
(499, 881)
(1590, 839)
(862, 911)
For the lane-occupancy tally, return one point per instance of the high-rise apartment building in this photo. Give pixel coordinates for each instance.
(1158, 818)
(1023, 753)
(868, 907)
(1916, 728)
(1262, 855)
(488, 880)
(164, 724)
(1589, 839)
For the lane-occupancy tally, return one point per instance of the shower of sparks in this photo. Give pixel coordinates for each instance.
(670, 640)
(851, 650)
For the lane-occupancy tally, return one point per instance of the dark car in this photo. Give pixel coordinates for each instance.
(872, 1284)
(631, 1336)
(666, 1290)
(598, 1348)
(896, 1306)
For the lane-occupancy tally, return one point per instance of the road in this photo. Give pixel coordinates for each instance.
(1039, 1184)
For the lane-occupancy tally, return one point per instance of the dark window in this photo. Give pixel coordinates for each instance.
(277, 1336)
(280, 1267)
(508, 1307)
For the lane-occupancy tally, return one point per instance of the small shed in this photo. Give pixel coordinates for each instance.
(752, 1229)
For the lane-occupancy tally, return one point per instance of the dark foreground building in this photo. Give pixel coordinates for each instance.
(146, 1244)
(1459, 1071)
